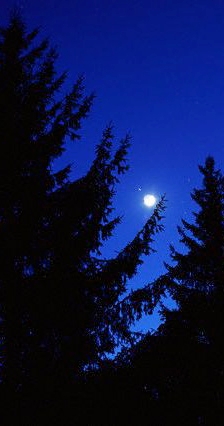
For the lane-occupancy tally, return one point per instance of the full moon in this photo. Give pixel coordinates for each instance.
(149, 200)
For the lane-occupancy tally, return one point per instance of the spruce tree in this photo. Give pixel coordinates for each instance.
(176, 374)
(61, 302)
(196, 280)
(188, 351)
(196, 283)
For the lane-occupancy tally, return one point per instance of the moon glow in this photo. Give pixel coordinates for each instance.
(149, 200)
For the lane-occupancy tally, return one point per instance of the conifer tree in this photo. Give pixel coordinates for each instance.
(196, 283)
(196, 280)
(187, 351)
(61, 303)
(176, 374)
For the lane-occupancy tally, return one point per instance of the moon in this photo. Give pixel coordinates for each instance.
(149, 200)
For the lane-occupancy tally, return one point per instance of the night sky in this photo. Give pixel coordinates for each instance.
(157, 68)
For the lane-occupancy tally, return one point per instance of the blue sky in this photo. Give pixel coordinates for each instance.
(157, 68)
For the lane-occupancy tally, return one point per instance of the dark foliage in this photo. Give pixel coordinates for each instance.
(61, 303)
(176, 375)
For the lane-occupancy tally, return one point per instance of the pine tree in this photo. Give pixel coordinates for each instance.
(176, 374)
(61, 302)
(196, 279)
(32, 133)
(192, 334)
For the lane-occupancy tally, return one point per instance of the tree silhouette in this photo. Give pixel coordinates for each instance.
(196, 283)
(180, 368)
(62, 304)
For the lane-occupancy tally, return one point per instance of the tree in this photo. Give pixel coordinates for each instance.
(61, 302)
(196, 283)
(181, 365)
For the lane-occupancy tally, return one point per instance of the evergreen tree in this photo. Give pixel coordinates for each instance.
(196, 283)
(175, 376)
(196, 280)
(187, 352)
(61, 303)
